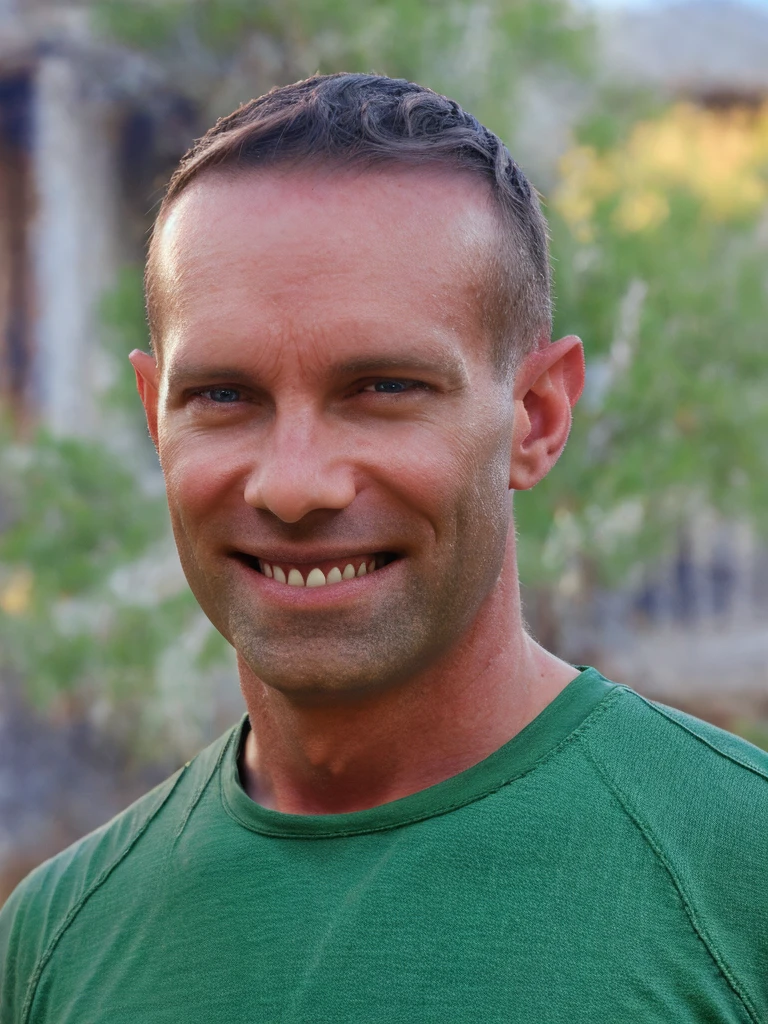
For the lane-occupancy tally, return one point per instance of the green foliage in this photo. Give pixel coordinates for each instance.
(76, 517)
(673, 316)
(479, 53)
(148, 26)
(160, 27)
(77, 514)
(613, 112)
(125, 328)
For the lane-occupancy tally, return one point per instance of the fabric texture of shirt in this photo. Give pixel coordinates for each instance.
(606, 864)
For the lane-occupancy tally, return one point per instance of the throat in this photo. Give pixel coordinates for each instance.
(322, 777)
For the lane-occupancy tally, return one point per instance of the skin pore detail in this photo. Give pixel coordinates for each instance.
(327, 399)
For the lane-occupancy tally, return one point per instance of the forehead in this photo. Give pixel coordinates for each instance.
(323, 253)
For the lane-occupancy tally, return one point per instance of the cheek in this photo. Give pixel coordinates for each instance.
(201, 475)
(451, 476)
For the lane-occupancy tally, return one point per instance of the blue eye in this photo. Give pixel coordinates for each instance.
(222, 396)
(392, 387)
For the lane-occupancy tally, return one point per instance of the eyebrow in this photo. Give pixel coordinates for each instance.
(447, 364)
(180, 375)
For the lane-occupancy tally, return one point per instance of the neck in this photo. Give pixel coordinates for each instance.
(349, 756)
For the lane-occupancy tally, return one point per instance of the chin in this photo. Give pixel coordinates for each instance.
(357, 668)
(316, 684)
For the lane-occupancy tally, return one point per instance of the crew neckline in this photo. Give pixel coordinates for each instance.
(555, 724)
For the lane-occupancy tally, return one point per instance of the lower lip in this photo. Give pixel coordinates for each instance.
(317, 597)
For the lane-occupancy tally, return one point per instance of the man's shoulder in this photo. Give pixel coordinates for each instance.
(697, 796)
(83, 863)
(657, 755)
(41, 907)
(732, 754)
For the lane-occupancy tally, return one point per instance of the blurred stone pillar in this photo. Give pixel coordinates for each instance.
(74, 240)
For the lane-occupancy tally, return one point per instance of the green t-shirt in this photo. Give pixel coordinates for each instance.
(607, 864)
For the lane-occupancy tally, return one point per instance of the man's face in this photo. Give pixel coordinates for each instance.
(327, 400)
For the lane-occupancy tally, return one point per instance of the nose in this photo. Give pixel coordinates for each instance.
(299, 468)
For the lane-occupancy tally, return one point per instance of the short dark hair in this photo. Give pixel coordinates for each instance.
(372, 120)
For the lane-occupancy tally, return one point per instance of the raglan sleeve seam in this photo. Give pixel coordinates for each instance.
(79, 903)
(742, 762)
(12, 916)
(198, 794)
(696, 919)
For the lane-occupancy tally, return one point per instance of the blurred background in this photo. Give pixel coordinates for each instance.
(645, 129)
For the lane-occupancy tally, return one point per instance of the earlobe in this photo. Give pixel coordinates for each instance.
(145, 367)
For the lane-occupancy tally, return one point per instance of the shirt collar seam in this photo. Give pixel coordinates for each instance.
(596, 712)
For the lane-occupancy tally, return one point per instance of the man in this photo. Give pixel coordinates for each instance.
(424, 816)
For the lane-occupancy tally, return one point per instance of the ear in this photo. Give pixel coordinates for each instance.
(547, 385)
(147, 379)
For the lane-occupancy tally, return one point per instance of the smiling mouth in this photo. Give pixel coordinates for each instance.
(319, 574)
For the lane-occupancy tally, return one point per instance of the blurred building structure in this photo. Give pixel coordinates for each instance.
(87, 133)
(712, 51)
(691, 630)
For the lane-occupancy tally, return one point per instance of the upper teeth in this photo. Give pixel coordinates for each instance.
(316, 577)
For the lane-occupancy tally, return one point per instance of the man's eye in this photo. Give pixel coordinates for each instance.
(222, 396)
(392, 387)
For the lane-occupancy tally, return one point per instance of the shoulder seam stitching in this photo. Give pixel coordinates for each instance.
(702, 739)
(75, 910)
(693, 916)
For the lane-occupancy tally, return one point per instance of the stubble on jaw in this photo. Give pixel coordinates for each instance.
(327, 656)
